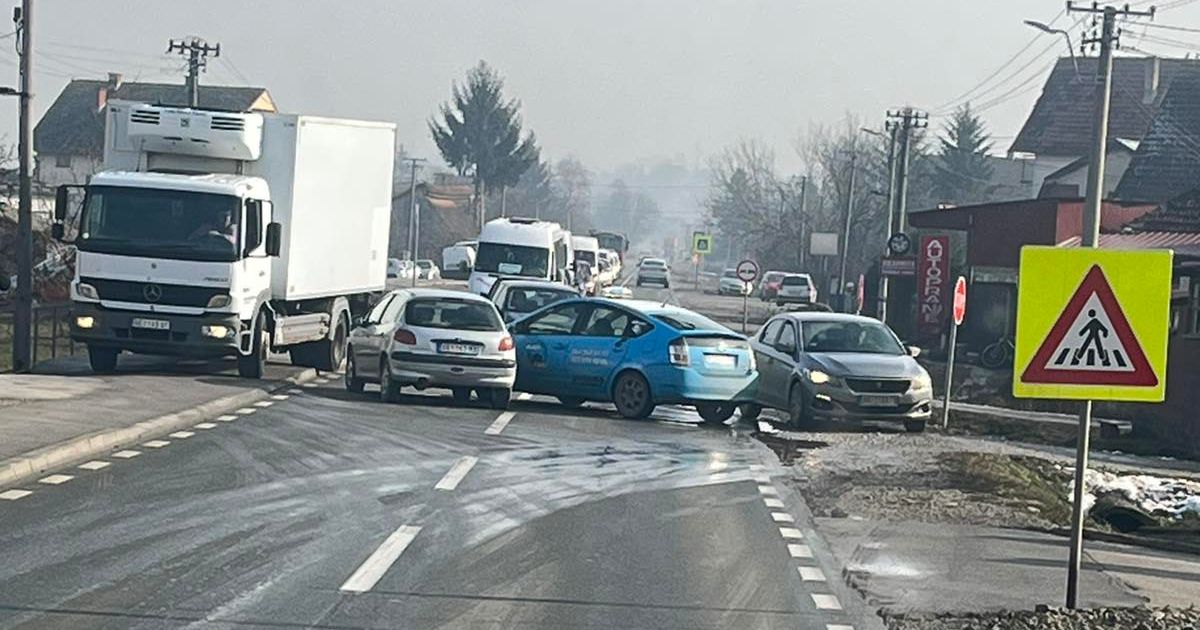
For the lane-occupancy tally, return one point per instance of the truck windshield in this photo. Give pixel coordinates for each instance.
(513, 260)
(160, 223)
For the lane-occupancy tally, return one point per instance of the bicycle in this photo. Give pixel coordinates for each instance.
(998, 354)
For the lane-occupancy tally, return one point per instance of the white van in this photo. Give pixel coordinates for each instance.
(458, 260)
(524, 248)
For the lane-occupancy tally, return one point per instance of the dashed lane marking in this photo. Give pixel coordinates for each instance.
(782, 517)
(95, 464)
(826, 602)
(791, 532)
(182, 435)
(773, 503)
(54, 480)
(226, 418)
(763, 479)
(280, 397)
(768, 490)
(245, 411)
(157, 443)
(365, 576)
(264, 403)
(295, 390)
(14, 494)
(500, 422)
(797, 550)
(126, 454)
(456, 473)
(309, 385)
(206, 425)
(757, 468)
(811, 574)
(838, 626)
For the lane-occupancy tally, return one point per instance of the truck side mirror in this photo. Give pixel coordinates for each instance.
(274, 238)
(61, 198)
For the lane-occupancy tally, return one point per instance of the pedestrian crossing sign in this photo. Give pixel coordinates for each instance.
(1092, 324)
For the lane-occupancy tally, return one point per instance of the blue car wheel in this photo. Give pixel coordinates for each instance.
(631, 395)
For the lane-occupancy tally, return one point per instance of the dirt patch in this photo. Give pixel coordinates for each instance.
(1055, 619)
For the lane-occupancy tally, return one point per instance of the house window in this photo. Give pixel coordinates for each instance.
(62, 160)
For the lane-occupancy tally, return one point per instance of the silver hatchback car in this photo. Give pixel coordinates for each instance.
(433, 338)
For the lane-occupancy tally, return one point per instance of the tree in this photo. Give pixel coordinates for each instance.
(632, 213)
(572, 198)
(479, 134)
(961, 170)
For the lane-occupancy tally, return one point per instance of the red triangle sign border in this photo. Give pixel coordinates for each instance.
(1094, 282)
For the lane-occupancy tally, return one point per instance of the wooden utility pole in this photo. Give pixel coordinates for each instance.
(22, 350)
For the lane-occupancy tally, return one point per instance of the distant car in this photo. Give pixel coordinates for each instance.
(518, 297)
(654, 271)
(796, 288)
(770, 285)
(397, 268)
(433, 338)
(731, 284)
(838, 366)
(426, 270)
(635, 354)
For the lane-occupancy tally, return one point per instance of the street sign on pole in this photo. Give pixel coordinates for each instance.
(701, 243)
(960, 311)
(747, 272)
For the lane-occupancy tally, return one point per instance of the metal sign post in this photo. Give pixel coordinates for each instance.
(960, 311)
(747, 272)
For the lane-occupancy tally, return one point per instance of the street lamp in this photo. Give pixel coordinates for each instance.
(1045, 28)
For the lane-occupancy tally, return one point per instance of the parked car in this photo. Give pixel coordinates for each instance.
(426, 270)
(433, 338)
(654, 271)
(796, 288)
(770, 285)
(635, 354)
(818, 365)
(518, 297)
(731, 284)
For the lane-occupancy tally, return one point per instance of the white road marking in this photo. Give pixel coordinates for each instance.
(182, 435)
(206, 425)
(757, 468)
(280, 397)
(798, 550)
(54, 480)
(366, 575)
(14, 494)
(765, 479)
(127, 454)
(264, 403)
(826, 602)
(773, 503)
(524, 396)
(768, 490)
(456, 473)
(226, 418)
(95, 464)
(245, 411)
(295, 391)
(838, 626)
(782, 517)
(309, 385)
(501, 421)
(811, 574)
(791, 532)
(157, 443)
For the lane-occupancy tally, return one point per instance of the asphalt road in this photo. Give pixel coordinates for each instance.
(329, 510)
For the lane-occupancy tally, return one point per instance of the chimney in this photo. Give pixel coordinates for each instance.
(106, 92)
(1150, 80)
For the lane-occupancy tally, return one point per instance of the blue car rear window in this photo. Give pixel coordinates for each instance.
(688, 321)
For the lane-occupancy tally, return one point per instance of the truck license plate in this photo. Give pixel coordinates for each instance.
(458, 348)
(878, 401)
(150, 324)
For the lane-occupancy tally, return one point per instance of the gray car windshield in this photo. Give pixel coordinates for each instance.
(835, 336)
(452, 314)
(160, 223)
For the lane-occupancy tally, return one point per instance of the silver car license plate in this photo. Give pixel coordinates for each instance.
(878, 401)
(458, 348)
(150, 324)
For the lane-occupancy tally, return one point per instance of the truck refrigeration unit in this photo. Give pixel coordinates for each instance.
(212, 233)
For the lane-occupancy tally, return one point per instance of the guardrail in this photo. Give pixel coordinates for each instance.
(51, 333)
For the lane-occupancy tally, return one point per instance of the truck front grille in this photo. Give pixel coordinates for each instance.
(152, 293)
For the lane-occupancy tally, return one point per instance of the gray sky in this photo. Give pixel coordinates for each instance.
(610, 81)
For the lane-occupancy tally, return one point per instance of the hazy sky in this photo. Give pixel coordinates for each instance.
(607, 80)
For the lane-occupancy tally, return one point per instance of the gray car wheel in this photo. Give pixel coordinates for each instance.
(797, 406)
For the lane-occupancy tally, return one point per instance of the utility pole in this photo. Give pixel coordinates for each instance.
(414, 218)
(906, 120)
(803, 219)
(1090, 238)
(197, 51)
(22, 357)
(846, 227)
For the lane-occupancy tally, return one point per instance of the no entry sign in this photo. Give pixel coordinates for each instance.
(960, 300)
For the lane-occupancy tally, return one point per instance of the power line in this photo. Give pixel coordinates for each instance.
(1171, 27)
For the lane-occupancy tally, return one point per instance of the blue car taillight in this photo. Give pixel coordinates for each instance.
(677, 352)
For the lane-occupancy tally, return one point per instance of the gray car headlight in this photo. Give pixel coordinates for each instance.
(923, 382)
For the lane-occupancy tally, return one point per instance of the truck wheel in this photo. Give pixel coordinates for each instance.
(102, 360)
(329, 354)
(353, 383)
(715, 413)
(251, 365)
(499, 397)
(631, 394)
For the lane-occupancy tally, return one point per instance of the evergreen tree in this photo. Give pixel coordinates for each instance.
(961, 170)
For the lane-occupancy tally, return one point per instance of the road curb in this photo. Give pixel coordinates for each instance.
(18, 469)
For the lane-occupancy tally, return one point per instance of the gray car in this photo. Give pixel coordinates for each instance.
(433, 338)
(819, 366)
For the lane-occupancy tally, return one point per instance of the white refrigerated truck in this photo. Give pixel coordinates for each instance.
(213, 233)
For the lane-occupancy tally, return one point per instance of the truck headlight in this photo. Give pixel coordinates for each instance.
(817, 377)
(216, 331)
(923, 382)
(85, 322)
(85, 290)
(219, 301)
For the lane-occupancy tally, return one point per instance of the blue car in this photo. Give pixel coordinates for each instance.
(635, 354)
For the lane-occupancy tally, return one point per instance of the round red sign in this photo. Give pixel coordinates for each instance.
(960, 300)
